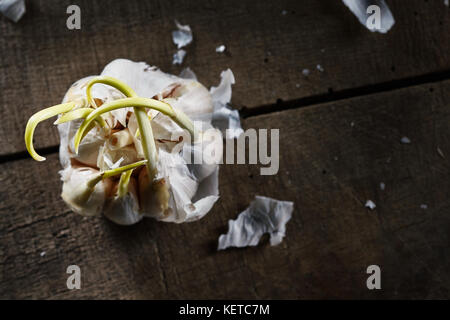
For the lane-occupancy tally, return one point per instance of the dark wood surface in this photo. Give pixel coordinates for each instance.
(328, 167)
(334, 154)
(266, 50)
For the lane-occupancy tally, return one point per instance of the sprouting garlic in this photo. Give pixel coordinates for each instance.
(131, 114)
(81, 193)
(123, 208)
(85, 189)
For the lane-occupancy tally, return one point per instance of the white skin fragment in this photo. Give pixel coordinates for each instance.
(183, 36)
(13, 9)
(405, 140)
(225, 118)
(178, 56)
(370, 204)
(264, 215)
(360, 7)
(220, 49)
(192, 188)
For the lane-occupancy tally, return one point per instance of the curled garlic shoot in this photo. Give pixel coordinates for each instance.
(41, 116)
(93, 115)
(110, 81)
(147, 140)
(80, 113)
(139, 103)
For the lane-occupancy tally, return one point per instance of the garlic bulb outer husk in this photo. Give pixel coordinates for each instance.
(182, 191)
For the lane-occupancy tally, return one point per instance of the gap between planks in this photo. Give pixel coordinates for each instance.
(295, 103)
(332, 96)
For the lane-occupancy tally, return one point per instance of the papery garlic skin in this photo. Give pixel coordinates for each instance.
(75, 191)
(180, 192)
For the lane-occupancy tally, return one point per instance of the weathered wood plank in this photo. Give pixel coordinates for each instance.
(332, 159)
(40, 57)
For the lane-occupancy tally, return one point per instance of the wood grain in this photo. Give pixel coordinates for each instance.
(267, 51)
(332, 159)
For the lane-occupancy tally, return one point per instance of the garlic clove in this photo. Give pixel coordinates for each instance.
(190, 199)
(119, 139)
(154, 196)
(124, 210)
(84, 191)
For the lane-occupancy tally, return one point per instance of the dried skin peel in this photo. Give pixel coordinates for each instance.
(361, 9)
(99, 138)
(13, 9)
(264, 215)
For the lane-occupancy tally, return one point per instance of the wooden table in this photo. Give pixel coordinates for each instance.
(339, 139)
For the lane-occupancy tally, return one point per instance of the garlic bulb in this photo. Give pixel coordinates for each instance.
(136, 142)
